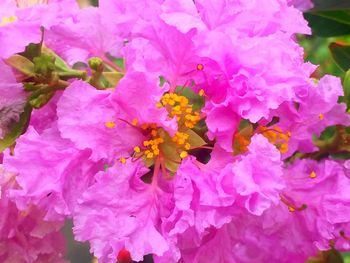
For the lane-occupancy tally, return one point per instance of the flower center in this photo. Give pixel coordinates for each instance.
(276, 136)
(161, 148)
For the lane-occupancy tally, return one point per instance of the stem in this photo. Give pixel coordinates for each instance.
(112, 64)
(156, 172)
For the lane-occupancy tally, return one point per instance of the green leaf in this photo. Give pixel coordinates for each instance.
(329, 23)
(195, 140)
(17, 129)
(328, 133)
(341, 55)
(346, 87)
(31, 51)
(21, 64)
(168, 148)
(331, 4)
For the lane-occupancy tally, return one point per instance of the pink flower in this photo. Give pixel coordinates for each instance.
(53, 177)
(121, 194)
(316, 110)
(258, 176)
(119, 108)
(24, 235)
(12, 99)
(322, 187)
(22, 25)
(302, 5)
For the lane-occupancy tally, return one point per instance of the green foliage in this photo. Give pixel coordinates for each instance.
(346, 86)
(22, 64)
(329, 18)
(329, 23)
(341, 55)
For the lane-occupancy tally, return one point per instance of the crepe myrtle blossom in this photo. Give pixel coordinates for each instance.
(295, 228)
(23, 21)
(186, 150)
(317, 109)
(12, 99)
(25, 236)
(302, 4)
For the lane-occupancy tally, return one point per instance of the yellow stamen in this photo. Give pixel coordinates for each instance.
(137, 149)
(149, 155)
(276, 136)
(283, 148)
(110, 124)
(135, 122)
(321, 116)
(313, 175)
(201, 92)
(183, 154)
(122, 160)
(291, 209)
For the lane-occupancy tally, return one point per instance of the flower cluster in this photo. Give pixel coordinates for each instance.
(182, 129)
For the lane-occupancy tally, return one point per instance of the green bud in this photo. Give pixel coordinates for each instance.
(96, 63)
(44, 64)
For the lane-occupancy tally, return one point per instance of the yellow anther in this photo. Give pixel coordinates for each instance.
(321, 116)
(154, 147)
(201, 92)
(183, 101)
(8, 20)
(187, 146)
(144, 126)
(291, 209)
(183, 154)
(188, 117)
(200, 67)
(276, 136)
(177, 108)
(149, 155)
(122, 160)
(110, 124)
(154, 133)
(134, 122)
(283, 148)
(137, 149)
(189, 125)
(284, 137)
(159, 105)
(313, 175)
